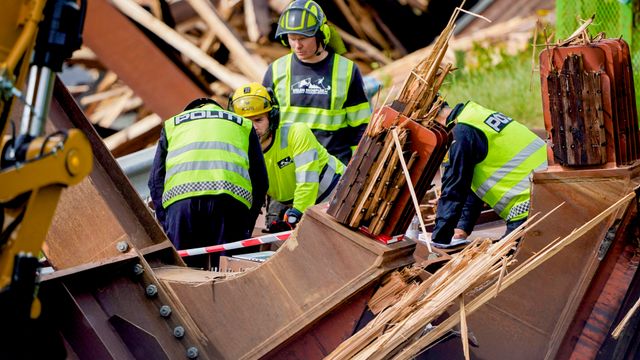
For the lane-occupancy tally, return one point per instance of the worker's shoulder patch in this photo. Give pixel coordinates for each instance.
(201, 114)
(498, 121)
(284, 162)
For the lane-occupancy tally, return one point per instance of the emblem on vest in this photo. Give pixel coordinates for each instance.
(310, 87)
(498, 121)
(206, 114)
(284, 162)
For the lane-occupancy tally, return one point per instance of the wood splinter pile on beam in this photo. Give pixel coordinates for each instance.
(403, 144)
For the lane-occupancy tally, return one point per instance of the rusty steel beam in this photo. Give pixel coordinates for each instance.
(531, 318)
(104, 210)
(127, 51)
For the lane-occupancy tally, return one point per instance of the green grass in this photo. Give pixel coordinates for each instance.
(508, 86)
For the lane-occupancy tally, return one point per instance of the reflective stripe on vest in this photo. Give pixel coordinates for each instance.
(502, 178)
(327, 176)
(331, 119)
(206, 186)
(329, 171)
(207, 155)
(207, 165)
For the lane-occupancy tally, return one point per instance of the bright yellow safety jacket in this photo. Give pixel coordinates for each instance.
(207, 154)
(502, 178)
(332, 119)
(298, 167)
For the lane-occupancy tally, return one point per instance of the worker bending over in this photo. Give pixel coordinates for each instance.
(490, 160)
(301, 172)
(314, 84)
(208, 180)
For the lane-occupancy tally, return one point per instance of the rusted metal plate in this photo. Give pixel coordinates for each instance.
(109, 312)
(329, 332)
(104, 209)
(127, 51)
(313, 274)
(529, 320)
(602, 304)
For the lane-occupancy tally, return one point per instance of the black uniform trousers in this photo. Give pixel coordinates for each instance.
(206, 221)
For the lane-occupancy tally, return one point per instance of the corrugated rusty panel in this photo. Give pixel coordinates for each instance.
(125, 50)
(565, 106)
(555, 106)
(575, 99)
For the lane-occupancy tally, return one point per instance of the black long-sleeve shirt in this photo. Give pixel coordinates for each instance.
(458, 206)
(257, 173)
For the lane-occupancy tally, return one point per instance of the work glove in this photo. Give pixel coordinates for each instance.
(292, 217)
(277, 226)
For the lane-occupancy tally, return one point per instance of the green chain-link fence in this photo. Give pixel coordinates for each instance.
(614, 17)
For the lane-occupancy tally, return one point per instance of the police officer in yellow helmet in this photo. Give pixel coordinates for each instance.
(316, 85)
(300, 170)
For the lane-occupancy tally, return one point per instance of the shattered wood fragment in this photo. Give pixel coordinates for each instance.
(257, 20)
(251, 66)
(174, 39)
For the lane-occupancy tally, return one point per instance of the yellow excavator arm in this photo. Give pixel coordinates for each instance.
(36, 36)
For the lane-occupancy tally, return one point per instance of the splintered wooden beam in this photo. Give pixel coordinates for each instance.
(367, 48)
(367, 24)
(252, 66)
(351, 19)
(355, 178)
(378, 222)
(257, 19)
(393, 287)
(382, 186)
(529, 265)
(375, 174)
(133, 134)
(174, 39)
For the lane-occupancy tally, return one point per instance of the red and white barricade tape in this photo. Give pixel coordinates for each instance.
(266, 239)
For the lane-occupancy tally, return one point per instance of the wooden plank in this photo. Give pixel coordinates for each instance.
(252, 66)
(124, 49)
(369, 184)
(367, 48)
(351, 19)
(257, 20)
(233, 80)
(134, 136)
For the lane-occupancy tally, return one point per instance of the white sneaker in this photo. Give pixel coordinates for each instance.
(453, 244)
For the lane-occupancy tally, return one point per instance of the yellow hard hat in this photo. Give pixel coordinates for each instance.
(251, 100)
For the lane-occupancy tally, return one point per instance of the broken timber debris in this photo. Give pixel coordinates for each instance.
(372, 194)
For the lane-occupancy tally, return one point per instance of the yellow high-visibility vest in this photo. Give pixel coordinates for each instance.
(502, 178)
(207, 155)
